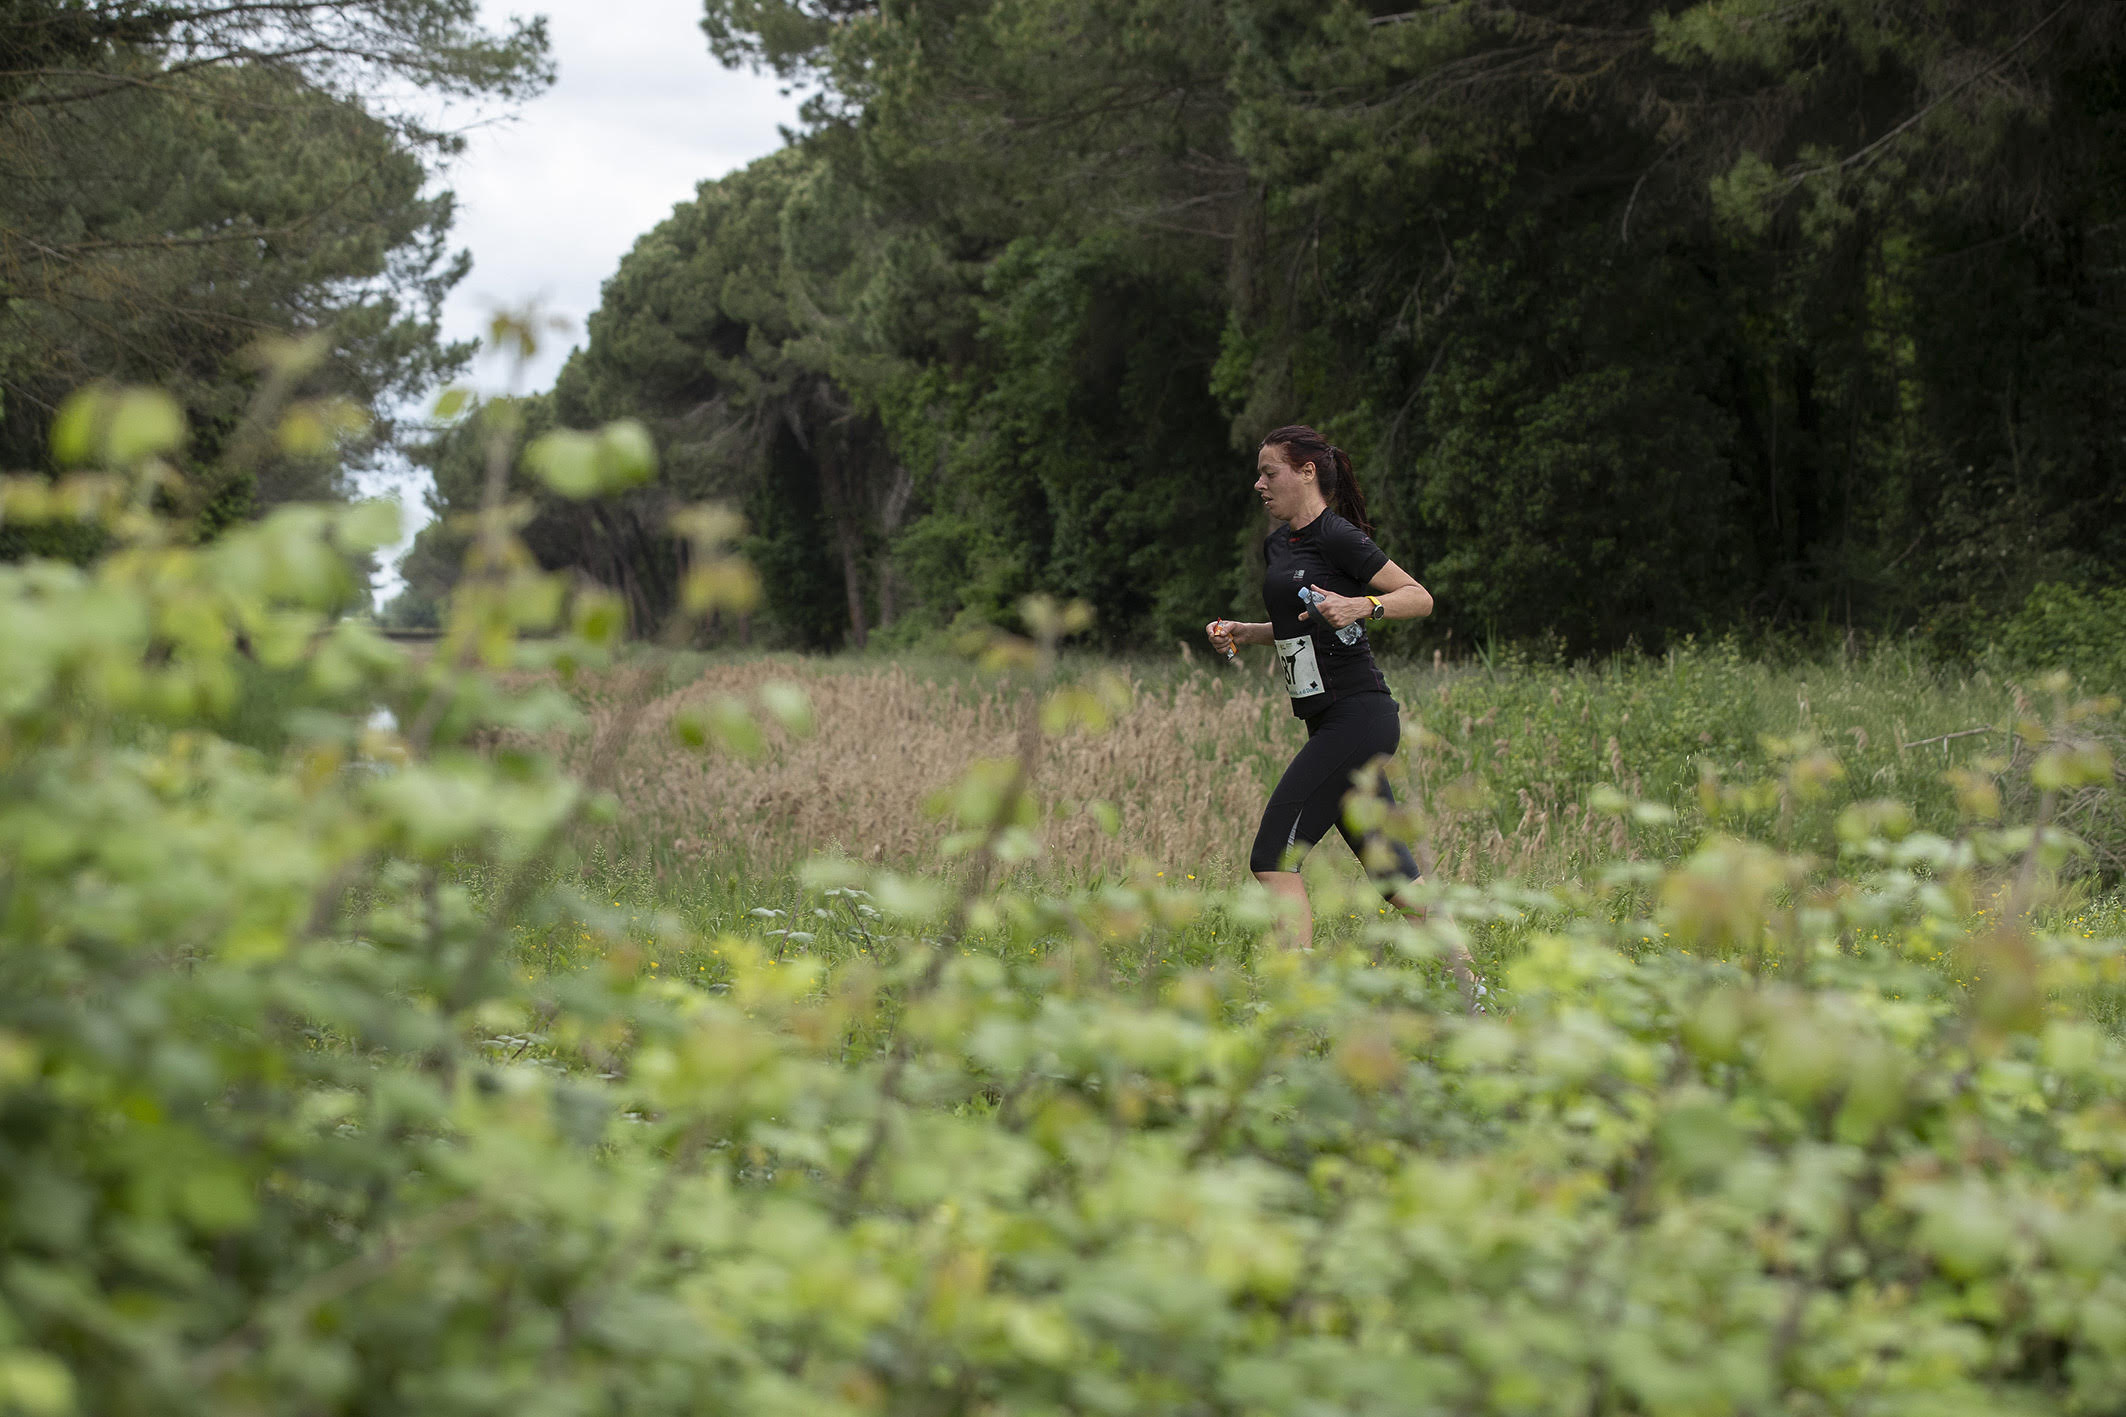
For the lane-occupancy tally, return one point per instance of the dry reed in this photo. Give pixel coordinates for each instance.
(1187, 769)
(1183, 770)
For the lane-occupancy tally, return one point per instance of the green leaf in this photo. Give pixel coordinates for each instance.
(579, 465)
(789, 705)
(907, 897)
(566, 461)
(144, 423)
(628, 457)
(2063, 769)
(34, 1383)
(1966, 1227)
(314, 429)
(1701, 1137)
(600, 617)
(77, 430)
(369, 525)
(116, 427)
(690, 726)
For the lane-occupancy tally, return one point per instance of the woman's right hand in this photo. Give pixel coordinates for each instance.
(1220, 633)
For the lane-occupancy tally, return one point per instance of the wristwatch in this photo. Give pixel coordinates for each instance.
(1380, 611)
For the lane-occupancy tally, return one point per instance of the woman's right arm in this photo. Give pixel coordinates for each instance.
(1241, 632)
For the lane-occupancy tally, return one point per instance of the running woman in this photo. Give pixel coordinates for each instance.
(1325, 545)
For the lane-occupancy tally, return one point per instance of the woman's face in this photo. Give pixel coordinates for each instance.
(1286, 491)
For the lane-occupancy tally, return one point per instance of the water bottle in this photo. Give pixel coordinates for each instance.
(1350, 634)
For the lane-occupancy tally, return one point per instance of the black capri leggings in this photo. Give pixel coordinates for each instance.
(1309, 799)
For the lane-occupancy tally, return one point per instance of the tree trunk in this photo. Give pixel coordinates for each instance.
(852, 579)
(898, 493)
(847, 538)
(888, 599)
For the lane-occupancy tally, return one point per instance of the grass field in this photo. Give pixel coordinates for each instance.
(1501, 764)
(1501, 761)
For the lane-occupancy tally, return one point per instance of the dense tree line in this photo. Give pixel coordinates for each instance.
(182, 178)
(1637, 320)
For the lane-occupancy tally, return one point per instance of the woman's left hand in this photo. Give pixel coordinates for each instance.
(1338, 611)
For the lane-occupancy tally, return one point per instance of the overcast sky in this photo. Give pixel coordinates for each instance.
(551, 199)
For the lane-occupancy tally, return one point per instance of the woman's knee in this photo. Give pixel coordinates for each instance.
(1268, 855)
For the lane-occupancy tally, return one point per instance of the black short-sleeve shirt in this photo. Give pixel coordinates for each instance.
(1330, 553)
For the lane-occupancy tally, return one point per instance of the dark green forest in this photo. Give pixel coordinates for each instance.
(1637, 321)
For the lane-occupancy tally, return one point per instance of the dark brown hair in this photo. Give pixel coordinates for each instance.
(1332, 471)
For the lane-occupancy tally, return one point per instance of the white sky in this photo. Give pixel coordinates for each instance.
(550, 200)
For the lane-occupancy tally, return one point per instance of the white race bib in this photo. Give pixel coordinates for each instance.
(1302, 672)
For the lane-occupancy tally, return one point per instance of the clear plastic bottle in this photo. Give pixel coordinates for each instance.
(1350, 634)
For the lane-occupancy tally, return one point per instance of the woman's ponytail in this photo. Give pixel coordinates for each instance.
(1332, 471)
(1346, 498)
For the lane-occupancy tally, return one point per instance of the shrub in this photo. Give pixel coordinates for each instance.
(292, 1124)
(2081, 629)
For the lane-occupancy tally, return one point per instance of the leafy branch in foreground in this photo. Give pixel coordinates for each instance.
(1802, 1124)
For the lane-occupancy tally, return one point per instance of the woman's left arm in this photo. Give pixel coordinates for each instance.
(1400, 594)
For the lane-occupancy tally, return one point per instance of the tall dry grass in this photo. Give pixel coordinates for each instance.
(1184, 770)
(1498, 766)
(1187, 771)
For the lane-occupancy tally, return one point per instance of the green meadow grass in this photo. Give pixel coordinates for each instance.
(1506, 740)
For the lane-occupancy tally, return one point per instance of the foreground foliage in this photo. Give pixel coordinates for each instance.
(291, 1121)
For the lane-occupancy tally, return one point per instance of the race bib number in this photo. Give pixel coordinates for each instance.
(1302, 672)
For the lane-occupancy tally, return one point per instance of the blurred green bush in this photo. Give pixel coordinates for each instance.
(1810, 1120)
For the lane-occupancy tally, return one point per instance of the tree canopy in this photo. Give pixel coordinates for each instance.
(1637, 320)
(180, 180)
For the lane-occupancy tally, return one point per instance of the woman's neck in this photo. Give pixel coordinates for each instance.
(1307, 515)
